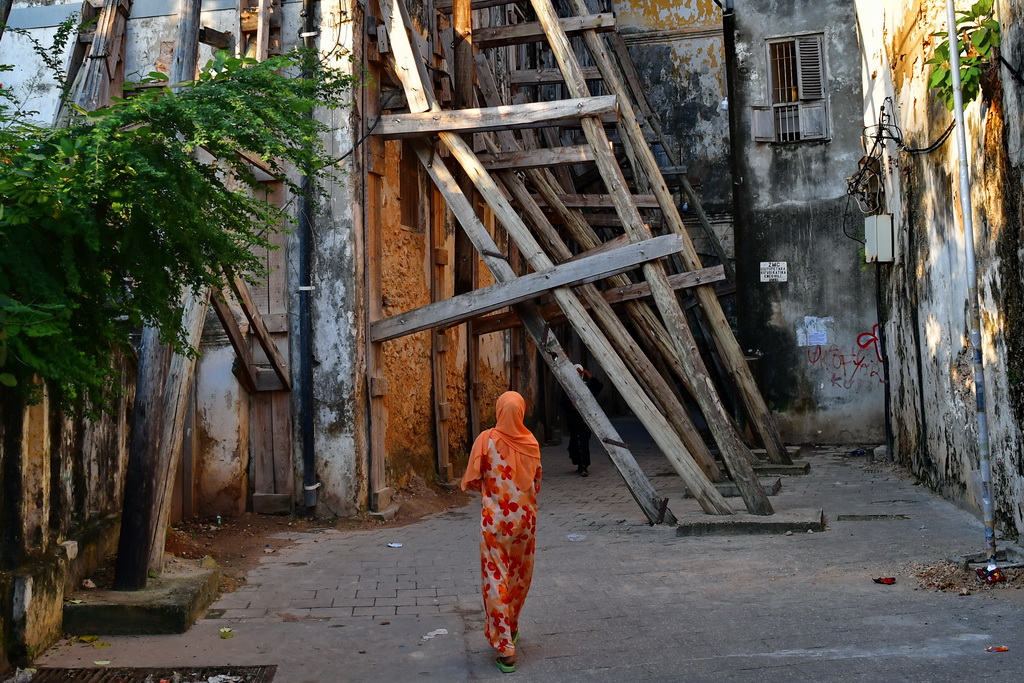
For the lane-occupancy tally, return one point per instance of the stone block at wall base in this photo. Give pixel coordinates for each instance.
(32, 594)
(168, 604)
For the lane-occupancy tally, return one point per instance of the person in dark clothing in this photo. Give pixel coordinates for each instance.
(579, 432)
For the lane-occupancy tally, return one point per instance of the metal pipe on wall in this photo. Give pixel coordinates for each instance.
(305, 232)
(972, 282)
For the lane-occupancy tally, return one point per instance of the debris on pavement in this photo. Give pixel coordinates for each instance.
(950, 577)
(394, 545)
(436, 632)
(227, 632)
(997, 648)
(887, 580)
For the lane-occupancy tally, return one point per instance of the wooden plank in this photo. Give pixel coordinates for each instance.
(445, 6)
(281, 425)
(708, 497)
(222, 40)
(617, 295)
(672, 315)
(532, 32)
(380, 493)
(551, 351)
(731, 353)
(176, 396)
(262, 446)
(661, 392)
(492, 118)
(440, 343)
(244, 367)
(259, 329)
(602, 201)
(465, 306)
(548, 76)
(138, 511)
(541, 158)
(161, 398)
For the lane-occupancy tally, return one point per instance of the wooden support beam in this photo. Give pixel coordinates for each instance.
(672, 314)
(548, 76)
(541, 158)
(222, 40)
(517, 34)
(492, 118)
(496, 322)
(661, 392)
(409, 67)
(445, 6)
(157, 434)
(244, 369)
(259, 329)
(551, 351)
(466, 306)
(731, 353)
(440, 344)
(602, 201)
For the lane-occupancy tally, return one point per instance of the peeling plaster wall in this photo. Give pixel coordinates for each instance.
(222, 424)
(678, 51)
(820, 372)
(61, 486)
(340, 417)
(927, 294)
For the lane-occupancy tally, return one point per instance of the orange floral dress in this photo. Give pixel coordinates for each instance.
(508, 524)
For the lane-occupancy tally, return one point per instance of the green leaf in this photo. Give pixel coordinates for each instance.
(938, 75)
(7, 379)
(158, 76)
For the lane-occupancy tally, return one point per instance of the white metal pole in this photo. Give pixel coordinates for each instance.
(972, 282)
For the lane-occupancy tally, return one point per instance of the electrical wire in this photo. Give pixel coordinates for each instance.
(846, 212)
(360, 141)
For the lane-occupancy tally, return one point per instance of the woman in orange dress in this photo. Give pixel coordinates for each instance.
(504, 466)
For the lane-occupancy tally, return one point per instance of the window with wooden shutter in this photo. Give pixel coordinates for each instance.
(798, 109)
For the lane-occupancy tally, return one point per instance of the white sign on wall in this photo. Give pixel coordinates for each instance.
(774, 271)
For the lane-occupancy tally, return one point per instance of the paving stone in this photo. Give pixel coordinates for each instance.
(628, 602)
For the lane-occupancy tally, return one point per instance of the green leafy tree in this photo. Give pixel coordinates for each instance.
(977, 32)
(104, 223)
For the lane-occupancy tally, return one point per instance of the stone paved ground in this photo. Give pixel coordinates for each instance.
(616, 600)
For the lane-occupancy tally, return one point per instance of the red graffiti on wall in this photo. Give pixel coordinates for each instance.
(855, 367)
(866, 339)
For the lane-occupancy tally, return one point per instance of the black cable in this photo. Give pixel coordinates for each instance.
(935, 145)
(359, 141)
(1016, 74)
(846, 212)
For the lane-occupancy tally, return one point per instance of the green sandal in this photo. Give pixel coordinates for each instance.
(503, 667)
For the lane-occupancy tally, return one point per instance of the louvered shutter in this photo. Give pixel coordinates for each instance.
(812, 121)
(763, 124)
(811, 72)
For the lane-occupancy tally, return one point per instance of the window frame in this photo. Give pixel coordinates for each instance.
(811, 104)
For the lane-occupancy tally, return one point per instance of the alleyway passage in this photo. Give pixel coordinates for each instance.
(616, 600)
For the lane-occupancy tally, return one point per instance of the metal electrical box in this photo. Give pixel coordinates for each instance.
(878, 239)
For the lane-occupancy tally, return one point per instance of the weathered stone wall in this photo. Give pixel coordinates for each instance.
(814, 333)
(61, 478)
(678, 51)
(927, 289)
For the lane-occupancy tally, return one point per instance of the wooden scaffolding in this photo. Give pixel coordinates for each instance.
(535, 161)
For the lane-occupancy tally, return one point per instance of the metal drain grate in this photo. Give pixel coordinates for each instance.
(186, 674)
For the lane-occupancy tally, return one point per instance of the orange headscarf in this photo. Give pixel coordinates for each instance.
(512, 439)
